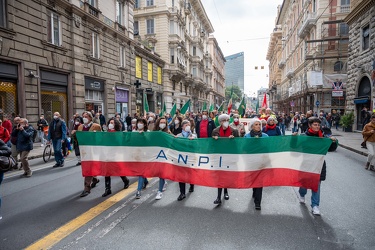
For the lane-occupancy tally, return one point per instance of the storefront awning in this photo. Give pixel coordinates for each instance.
(361, 99)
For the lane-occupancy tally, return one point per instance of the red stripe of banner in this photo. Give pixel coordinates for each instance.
(210, 178)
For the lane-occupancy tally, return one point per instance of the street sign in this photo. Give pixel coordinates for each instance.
(317, 103)
(148, 89)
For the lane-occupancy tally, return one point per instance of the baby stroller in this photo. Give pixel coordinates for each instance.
(328, 133)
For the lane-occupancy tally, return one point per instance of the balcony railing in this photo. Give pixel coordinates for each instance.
(281, 64)
(290, 73)
(345, 9)
(308, 22)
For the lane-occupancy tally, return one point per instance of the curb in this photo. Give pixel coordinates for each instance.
(354, 150)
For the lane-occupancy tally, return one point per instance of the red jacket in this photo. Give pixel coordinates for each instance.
(4, 134)
(8, 125)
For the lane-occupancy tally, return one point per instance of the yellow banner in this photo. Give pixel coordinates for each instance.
(138, 67)
(149, 71)
(159, 75)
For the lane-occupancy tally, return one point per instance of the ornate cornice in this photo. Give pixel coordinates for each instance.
(359, 10)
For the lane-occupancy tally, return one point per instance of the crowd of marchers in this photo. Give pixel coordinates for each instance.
(205, 124)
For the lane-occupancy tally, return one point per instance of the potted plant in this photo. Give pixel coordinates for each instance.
(347, 121)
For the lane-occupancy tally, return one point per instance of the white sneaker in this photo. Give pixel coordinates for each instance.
(165, 186)
(315, 210)
(301, 199)
(159, 195)
(42, 145)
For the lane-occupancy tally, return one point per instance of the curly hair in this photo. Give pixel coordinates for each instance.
(157, 123)
(143, 120)
(118, 125)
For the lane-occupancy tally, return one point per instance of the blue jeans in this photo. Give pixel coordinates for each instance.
(57, 149)
(161, 184)
(1, 180)
(141, 180)
(315, 196)
(282, 128)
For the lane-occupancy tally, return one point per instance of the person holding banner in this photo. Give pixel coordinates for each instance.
(175, 126)
(161, 125)
(271, 129)
(142, 181)
(238, 125)
(255, 128)
(186, 133)
(88, 125)
(224, 130)
(314, 130)
(114, 125)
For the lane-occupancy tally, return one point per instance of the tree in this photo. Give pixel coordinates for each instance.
(237, 94)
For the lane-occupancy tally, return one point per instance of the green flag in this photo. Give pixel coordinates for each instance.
(221, 108)
(242, 107)
(186, 107)
(163, 111)
(257, 106)
(145, 104)
(204, 106)
(211, 107)
(173, 110)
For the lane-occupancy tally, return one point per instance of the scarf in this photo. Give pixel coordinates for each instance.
(270, 127)
(255, 134)
(225, 133)
(185, 134)
(315, 133)
(236, 123)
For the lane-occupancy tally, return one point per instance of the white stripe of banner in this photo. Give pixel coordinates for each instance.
(228, 162)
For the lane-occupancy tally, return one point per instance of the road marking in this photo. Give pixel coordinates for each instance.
(65, 230)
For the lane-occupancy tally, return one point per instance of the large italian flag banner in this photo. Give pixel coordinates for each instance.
(228, 163)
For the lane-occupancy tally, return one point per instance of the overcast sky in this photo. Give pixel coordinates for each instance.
(238, 26)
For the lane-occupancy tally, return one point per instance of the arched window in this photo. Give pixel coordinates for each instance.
(338, 66)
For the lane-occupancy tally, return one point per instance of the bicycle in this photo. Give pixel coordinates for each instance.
(47, 152)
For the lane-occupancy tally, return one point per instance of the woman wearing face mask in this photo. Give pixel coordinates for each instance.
(142, 181)
(238, 125)
(77, 121)
(151, 122)
(186, 133)
(133, 125)
(176, 125)
(255, 128)
(114, 125)
(161, 125)
(224, 130)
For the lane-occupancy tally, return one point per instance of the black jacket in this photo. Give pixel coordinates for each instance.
(4, 149)
(210, 127)
(43, 122)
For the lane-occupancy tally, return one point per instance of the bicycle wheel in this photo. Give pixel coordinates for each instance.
(47, 153)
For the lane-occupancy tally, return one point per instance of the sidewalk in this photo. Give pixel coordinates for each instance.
(350, 140)
(37, 152)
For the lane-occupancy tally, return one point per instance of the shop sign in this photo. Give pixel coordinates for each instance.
(94, 84)
(337, 93)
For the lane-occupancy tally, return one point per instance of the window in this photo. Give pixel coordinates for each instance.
(95, 45)
(194, 51)
(136, 28)
(338, 66)
(122, 57)
(136, 4)
(159, 75)
(120, 12)
(3, 14)
(344, 29)
(194, 71)
(138, 67)
(171, 27)
(92, 3)
(53, 28)
(149, 71)
(366, 37)
(150, 26)
(149, 2)
(172, 55)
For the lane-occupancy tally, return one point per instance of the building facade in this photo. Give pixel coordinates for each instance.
(70, 56)
(179, 32)
(234, 70)
(361, 62)
(313, 59)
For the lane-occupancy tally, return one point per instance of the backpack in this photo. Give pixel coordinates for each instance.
(7, 163)
(34, 134)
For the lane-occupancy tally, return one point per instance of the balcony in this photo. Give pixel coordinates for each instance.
(290, 73)
(282, 64)
(308, 23)
(345, 8)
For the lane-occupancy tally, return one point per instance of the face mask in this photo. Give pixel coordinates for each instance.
(41, 118)
(236, 119)
(162, 125)
(85, 120)
(133, 125)
(140, 125)
(111, 126)
(225, 124)
(55, 117)
(204, 117)
(176, 122)
(77, 123)
(150, 119)
(187, 129)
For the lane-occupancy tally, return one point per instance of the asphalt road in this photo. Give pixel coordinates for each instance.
(35, 207)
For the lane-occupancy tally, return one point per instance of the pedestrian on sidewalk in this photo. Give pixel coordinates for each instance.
(57, 135)
(223, 131)
(8, 125)
(89, 126)
(314, 130)
(13, 140)
(24, 134)
(42, 123)
(114, 125)
(369, 136)
(4, 133)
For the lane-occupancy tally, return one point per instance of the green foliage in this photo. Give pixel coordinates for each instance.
(347, 120)
(237, 94)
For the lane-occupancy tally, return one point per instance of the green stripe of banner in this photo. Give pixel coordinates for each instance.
(303, 144)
